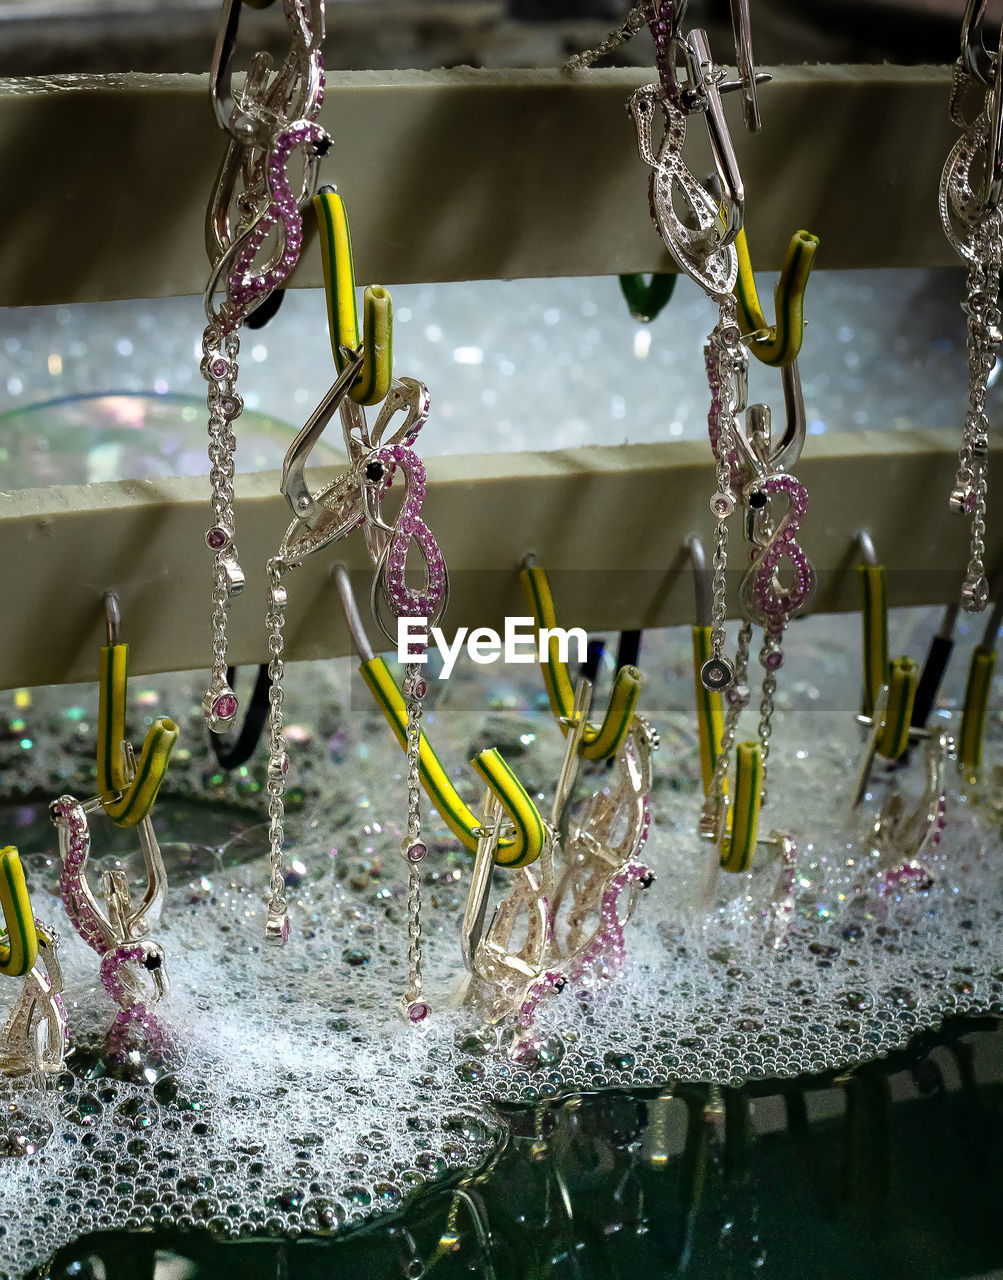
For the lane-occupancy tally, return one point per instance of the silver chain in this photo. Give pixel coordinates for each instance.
(969, 494)
(219, 368)
(724, 355)
(714, 807)
(413, 1006)
(773, 642)
(626, 31)
(277, 927)
(714, 811)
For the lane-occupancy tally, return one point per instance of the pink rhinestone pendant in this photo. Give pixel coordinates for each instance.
(218, 538)
(417, 1011)
(219, 707)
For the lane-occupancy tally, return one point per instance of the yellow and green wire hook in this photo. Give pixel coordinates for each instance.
(890, 714)
(777, 344)
(977, 690)
(127, 795)
(518, 847)
(709, 706)
(376, 341)
(741, 823)
(18, 935)
(599, 741)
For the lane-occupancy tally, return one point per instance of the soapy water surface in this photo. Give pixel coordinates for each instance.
(287, 1095)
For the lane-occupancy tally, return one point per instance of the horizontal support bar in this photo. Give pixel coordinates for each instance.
(459, 175)
(608, 522)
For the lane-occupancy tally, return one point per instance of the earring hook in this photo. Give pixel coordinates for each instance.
(709, 706)
(376, 371)
(19, 951)
(127, 790)
(910, 694)
(977, 690)
(780, 343)
(525, 842)
(599, 742)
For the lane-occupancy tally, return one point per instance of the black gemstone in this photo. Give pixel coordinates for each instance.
(152, 963)
(560, 984)
(647, 881)
(374, 471)
(323, 146)
(757, 500)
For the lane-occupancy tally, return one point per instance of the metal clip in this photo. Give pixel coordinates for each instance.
(600, 742)
(755, 441)
(978, 60)
(297, 88)
(709, 709)
(575, 725)
(262, 110)
(293, 486)
(353, 499)
(133, 970)
(34, 1038)
(741, 25)
(705, 80)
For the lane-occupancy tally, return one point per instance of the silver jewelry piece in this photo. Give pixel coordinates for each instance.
(270, 118)
(354, 501)
(973, 222)
(569, 909)
(133, 969)
(35, 1036)
(904, 838)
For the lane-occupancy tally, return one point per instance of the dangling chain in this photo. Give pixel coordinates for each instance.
(713, 811)
(970, 486)
(626, 31)
(770, 658)
(252, 187)
(277, 927)
(723, 359)
(219, 367)
(413, 1007)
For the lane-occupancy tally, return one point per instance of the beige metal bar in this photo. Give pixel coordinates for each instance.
(459, 175)
(609, 524)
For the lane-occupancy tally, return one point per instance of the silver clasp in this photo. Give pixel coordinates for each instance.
(257, 114)
(755, 441)
(986, 66)
(294, 93)
(702, 92)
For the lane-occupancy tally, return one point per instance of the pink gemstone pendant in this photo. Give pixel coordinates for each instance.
(218, 538)
(219, 707)
(415, 852)
(416, 1011)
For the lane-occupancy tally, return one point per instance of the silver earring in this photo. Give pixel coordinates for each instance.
(973, 222)
(35, 1036)
(268, 123)
(133, 969)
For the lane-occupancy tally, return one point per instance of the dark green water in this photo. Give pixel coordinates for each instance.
(888, 1172)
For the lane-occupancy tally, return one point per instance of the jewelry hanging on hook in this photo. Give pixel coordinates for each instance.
(355, 500)
(254, 235)
(34, 1038)
(132, 969)
(972, 218)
